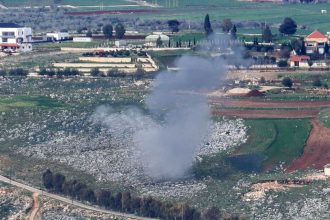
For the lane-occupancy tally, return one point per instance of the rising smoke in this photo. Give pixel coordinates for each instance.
(169, 144)
(170, 148)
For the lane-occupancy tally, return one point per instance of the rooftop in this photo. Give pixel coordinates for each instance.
(297, 58)
(316, 35)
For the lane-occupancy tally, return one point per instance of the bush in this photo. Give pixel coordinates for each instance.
(18, 72)
(3, 72)
(95, 72)
(287, 82)
(282, 63)
(317, 82)
(116, 73)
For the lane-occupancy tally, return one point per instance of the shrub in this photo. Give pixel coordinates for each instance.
(95, 72)
(317, 82)
(287, 82)
(282, 63)
(18, 72)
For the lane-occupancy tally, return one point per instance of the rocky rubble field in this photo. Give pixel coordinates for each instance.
(90, 124)
(14, 203)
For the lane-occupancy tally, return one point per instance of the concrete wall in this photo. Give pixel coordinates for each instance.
(106, 59)
(93, 65)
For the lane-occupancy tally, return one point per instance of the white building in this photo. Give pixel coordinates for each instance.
(327, 170)
(15, 38)
(152, 39)
(120, 43)
(82, 39)
(58, 36)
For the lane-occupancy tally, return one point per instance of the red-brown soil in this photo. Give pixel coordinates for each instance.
(242, 113)
(269, 103)
(133, 11)
(317, 150)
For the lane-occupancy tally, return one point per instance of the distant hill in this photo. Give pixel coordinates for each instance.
(17, 3)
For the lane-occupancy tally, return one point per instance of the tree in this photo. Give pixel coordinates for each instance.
(18, 72)
(288, 26)
(207, 25)
(89, 33)
(226, 25)
(118, 199)
(107, 31)
(282, 63)
(135, 204)
(262, 80)
(126, 201)
(299, 46)
(89, 195)
(58, 181)
(317, 82)
(212, 213)
(103, 198)
(120, 31)
(145, 206)
(159, 42)
(47, 179)
(233, 32)
(287, 82)
(267, 35)
(173, 25)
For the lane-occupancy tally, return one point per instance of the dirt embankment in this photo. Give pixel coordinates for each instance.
(269, 104)
(243, 113)
(317, 150)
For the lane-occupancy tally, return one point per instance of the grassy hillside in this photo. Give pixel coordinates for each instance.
(305, 14)
(64, 2)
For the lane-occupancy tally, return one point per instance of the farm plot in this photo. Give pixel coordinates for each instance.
(275, 104)
(317, 152)
(279, 140)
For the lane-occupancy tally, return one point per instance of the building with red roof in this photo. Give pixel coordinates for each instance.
(316, 42)
(299, 61)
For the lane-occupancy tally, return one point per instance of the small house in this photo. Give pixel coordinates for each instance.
(299, 61)
(120, 43)
(58, 36)
(151, 40)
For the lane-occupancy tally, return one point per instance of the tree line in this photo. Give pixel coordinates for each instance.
(146, 206)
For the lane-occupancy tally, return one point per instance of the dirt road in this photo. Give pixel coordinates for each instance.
(35, 207)
(69, 201)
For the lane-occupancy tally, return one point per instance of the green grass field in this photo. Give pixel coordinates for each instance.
(65, 2)
(280, 140)
(307, 15)
(324, 117)
(6, 103)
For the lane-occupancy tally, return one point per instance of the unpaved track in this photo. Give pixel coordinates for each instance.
(69, 201)
(269, 103)
(36, 206)
(317, 150)
(244, 113)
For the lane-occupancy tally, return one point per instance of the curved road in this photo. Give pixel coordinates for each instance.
(69, 201)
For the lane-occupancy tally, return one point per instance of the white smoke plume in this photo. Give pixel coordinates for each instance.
(170, 148)
(169, 144)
